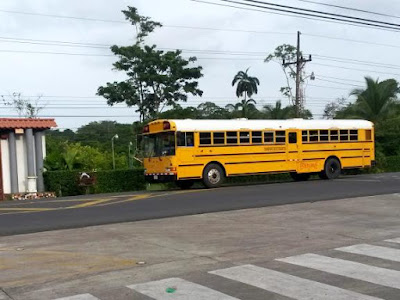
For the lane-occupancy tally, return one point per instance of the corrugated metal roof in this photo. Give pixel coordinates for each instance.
(14, 123)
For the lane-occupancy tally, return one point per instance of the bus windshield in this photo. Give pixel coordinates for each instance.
(159, 144)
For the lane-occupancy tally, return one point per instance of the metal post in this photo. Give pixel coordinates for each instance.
(112, 149)
(12, 149)
(39, 160)
(298, 70)
(130, 155)
(32, 187)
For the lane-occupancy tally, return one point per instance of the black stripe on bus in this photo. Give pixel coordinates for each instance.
(187, 178)
(355, 156)
(334, 142)
(254, 162)
(235, 154)
(191, 165)
(313, 158)
(261, 173)
(332, 150)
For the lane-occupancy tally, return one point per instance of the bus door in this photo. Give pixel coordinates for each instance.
(292, 150)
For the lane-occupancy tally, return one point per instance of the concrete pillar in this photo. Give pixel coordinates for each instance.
(32, 188)
(39, 160)
(12, 149)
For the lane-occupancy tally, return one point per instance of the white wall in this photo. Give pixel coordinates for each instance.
(22, 163)
(5, 162)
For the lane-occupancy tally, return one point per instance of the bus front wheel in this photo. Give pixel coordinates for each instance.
(332, 169)
(213, 176)
(184, 184)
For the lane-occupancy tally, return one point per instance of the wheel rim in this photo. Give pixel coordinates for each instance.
(333, 168)
(214, 176)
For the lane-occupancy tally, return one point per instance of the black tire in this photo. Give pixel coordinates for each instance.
(213, 176)
(300, 177)
(184, 184)
(332, 169)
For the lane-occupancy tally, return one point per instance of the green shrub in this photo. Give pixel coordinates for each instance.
(66, 183)
(63, 183)
(392, 164)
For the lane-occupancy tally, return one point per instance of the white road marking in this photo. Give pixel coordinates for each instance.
(397, 240)
(373, 251)
(381, 276)
(288, 285)
(80, 297)
(178, 289)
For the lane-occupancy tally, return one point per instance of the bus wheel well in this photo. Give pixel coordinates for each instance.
(216, 163)
(335, 157)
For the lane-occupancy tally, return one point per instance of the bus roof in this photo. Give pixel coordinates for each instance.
(245, 124)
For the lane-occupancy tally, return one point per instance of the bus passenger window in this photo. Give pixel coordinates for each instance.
(219, 138)
(189, 139)
(244, 137)
(280, 137)
(344, 135)
(334, 135)
(231, 137)
(313, 135)
(304, 135)
(256, 137)
(323, 135)
(180, 137)
(269, 137)
(292, 137)
(353, 135)
(205, 138)
(368, 135)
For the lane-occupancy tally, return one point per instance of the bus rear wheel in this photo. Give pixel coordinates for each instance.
(184, 184)
(213, 176)
(332, 169)
(299, 177)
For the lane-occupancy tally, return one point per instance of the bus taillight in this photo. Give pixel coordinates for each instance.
(146, 129)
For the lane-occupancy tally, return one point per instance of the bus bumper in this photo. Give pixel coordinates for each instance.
(160, 177)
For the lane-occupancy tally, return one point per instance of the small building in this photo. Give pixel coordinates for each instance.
(22, 152)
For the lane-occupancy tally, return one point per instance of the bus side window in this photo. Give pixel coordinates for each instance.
(292, 138)
(189, 139)
(269, 137)
(280, 137)
(344, 135)
(180, 137)
(205, 138)
(368, 135)
(353, 135)
(304, 135)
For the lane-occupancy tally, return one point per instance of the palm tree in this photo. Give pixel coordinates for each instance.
(244, 106)
(246, 84)
(377, 102)
(276, 112)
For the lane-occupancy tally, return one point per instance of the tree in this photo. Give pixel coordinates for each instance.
(244, 108)
(246, 84)
(377, 101)
(278, 112)
(155, 78)
(24, 107)
(209, 110)
(333, 108)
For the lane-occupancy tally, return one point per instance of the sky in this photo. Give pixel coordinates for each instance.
(67, 82)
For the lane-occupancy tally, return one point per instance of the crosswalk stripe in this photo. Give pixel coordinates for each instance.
(178, 289)
(288, 285)
(397, 240)
(79, 297)
(381, 276)
(373, 251)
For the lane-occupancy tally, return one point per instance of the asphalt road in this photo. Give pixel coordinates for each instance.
(33, 216)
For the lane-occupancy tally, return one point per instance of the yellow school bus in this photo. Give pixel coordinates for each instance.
(185, 151)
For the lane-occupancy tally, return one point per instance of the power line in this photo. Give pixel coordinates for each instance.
(305, 10)
(299, 16)
(357, 62)
(350, 8)
(353, 69)
(315, 16)
(56, 53)
(332, 81)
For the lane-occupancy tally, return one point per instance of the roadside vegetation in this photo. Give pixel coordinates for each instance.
(159, 82)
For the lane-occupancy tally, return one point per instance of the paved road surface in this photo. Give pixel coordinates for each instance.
(25, 217)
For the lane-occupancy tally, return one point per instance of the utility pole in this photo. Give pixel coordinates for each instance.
(300, 63)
